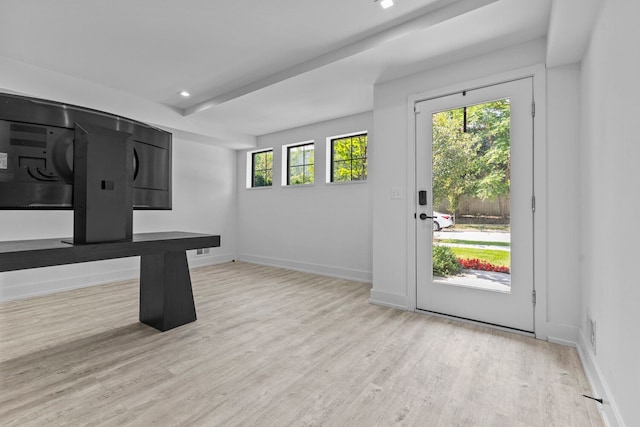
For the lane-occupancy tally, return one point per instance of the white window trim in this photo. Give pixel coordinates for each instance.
(249, 168)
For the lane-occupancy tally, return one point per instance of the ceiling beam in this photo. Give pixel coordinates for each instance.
(231, 140)
(421, 22)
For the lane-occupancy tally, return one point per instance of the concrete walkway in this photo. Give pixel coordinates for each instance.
(482, 236)
(486, 280)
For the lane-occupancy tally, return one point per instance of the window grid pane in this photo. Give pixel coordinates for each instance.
(300, 164)
(349, 159)
(262, 165)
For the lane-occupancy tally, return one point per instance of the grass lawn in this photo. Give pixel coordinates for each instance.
(496, 257)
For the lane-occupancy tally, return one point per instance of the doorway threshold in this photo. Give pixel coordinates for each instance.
(477, 322)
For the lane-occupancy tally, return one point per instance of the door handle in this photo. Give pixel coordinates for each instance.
(424, 216)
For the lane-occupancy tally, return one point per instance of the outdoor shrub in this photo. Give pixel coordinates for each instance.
(444, 262)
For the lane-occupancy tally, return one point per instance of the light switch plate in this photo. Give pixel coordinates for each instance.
(396, 192)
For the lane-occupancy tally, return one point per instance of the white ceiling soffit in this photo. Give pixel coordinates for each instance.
(434, 14)
(154, 49)
(570, 29)
(253, 67)
(346, 87)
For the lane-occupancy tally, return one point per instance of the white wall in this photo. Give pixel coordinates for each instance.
(609, 160)
(563, 196)
(322, 228)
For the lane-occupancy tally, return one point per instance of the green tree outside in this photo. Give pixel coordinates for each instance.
(349, 158)
(472, 158)
(301, 165)
(262, 169)
(453, 157)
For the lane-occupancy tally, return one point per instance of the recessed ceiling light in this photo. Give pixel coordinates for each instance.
(184, 93)
(386, 3)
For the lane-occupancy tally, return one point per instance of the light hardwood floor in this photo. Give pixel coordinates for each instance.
(273, 347)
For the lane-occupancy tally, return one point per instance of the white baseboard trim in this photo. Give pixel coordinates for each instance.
(389, 300)
(609, 409)
(561, 341)
(561, 334)
(204, 260)
(306, 267)
(69, 283)
(66, 283)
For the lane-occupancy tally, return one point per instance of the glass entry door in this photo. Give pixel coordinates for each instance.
(474, 180)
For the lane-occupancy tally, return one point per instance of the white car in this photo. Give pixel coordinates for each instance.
(441, 221)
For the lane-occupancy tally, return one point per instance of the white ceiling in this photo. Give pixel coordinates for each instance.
(257, 67)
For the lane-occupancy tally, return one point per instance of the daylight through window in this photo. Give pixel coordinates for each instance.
(262, 169)
(349, 158)
(300, 164)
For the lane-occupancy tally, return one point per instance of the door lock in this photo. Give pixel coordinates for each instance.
(422, 197)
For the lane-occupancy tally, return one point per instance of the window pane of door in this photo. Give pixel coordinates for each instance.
(471, 189)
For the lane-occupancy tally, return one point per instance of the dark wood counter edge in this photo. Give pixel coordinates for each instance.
(25, 254)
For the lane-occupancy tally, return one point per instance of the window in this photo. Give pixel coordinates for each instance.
(348, 158)
(262, 168)
(300, 164)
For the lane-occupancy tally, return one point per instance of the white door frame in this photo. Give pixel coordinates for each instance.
(538, 73)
